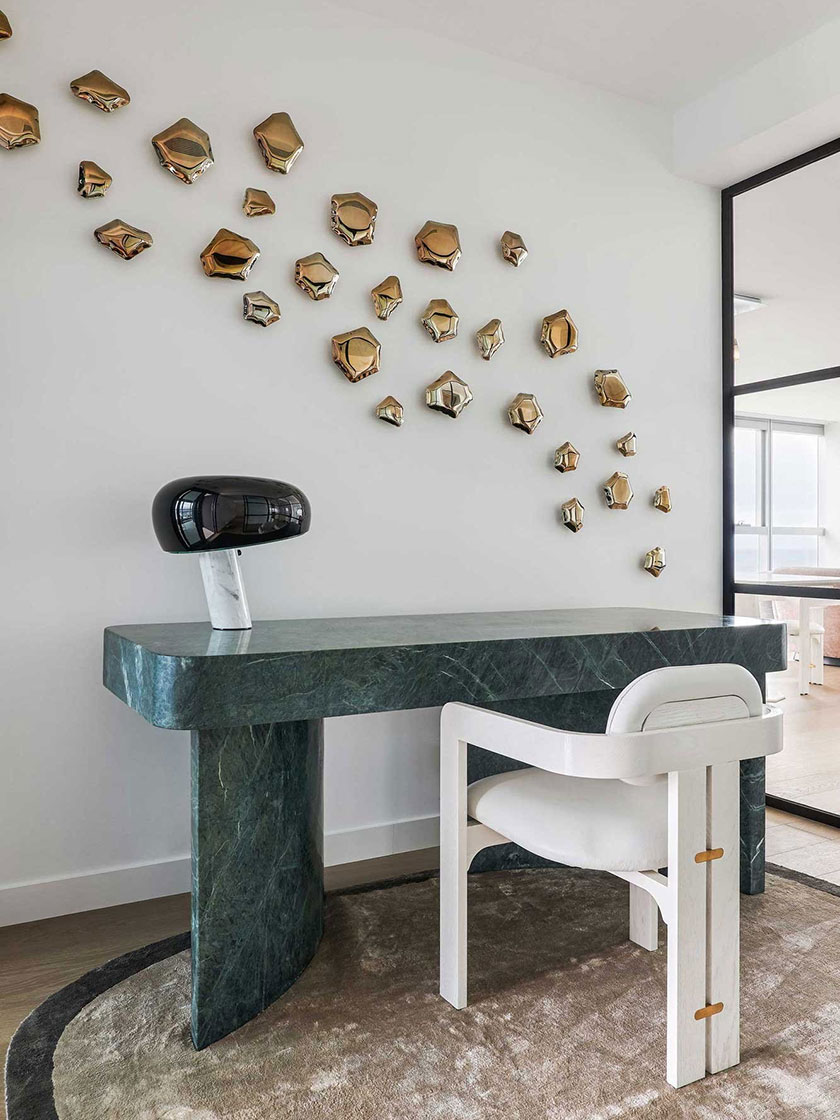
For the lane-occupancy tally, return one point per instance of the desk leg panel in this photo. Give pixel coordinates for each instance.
(257, 868)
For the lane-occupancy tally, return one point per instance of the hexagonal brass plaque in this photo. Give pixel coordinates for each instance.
(572, 513)
(654, 561)
(257, 202)
(449, 395)
(279, 142)
(356, 353)
(611, 389)
(566, 457)
(559, 334)
(19, 124)
(662, 499)
(618, 491)
(5, 27)
(513, 248)
(489, 338)
(93, 180)
(125, 240)
(257, 307)
(229, 255)
(440, 320)
(391, 411)
(184, 149)
(627, 444)
(387, 296)
(439, 244)
(316, 276)
(353, 218)
(99, 90)
(524, 412)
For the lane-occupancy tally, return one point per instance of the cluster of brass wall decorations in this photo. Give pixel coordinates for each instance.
(440, 320)
(93, 180)
(524, 412)
(229, 255)
(356, 353)
(489, 338)
(257, 307)
(438, 243)
(184, 149)
(654, 561)
(572, 513)
(128, 241)
(19, 124)
(316, 276)
(513, 248)
(627, 444)
(566, 457)
(662, 499)
(99, 90)
(618, 491)
(559, 335)
(611, 389)
(391, 411)
(387, 296)
(5, 27)
(279, 142)
(353, 218)
(257, 202)
(448, 394)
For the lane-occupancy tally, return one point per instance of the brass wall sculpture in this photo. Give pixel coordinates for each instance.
(5, 27)
(439, 244)
(627, 444)
(391, 411)
(573, 512)
(440, 320)
(449, 395)
(513, 248)
(184, 149)
(128, 241)
(524, 412)
(257, 307)
(610, 387)
(93, 180)
(19, 124)
(662, 499)
(279, 142)
(559, 335)
(229, 255)
(353, 218)
(316, 276)
(356, 353)
(654, 561)
(489, 338)
(387, 296)
(566, 457)
(257, 202)
(99, 90)
(618, 491)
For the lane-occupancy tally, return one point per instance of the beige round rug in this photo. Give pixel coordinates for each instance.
(566, 1019)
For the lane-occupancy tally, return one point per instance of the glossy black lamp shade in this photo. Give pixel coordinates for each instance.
(211, 512)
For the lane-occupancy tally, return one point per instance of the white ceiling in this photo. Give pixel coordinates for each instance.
(662, 51)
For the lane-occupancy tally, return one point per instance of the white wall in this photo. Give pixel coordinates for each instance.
(122, 375)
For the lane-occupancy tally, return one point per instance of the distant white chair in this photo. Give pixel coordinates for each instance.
(604, 802)
(768, 609)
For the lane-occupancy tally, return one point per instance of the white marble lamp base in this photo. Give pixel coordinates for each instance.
(225, 591)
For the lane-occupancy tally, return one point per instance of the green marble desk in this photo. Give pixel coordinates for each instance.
(255, 702)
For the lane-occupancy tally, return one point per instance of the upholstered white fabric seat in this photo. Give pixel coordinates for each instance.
(603, 824)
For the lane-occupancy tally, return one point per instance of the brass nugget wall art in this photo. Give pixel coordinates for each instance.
(572, 513)
(99, 90)
(184, 149)
(566, 457)
(387, 296)
(489, 338)
(257, 307)
(611, 389)
(654, 561)
(316, 276)
(123, 239)
(627, 444)
(5, 27)
(93, 180)
(353, 218)
(559, 335)
(618, 491)
(391, 411)
(439, 244)
(229, 255)
(449, 395)
(513, 248)
(440, 320)
(257, 203)
(279, 142)
(524, 412)
(19, 124)
(662, 499)
(356, 353)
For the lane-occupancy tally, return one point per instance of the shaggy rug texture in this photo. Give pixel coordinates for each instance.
(566, 1019)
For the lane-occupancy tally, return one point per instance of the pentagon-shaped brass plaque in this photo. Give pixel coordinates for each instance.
(316, 276)
(387, 296)
(440, 320)
(391, 411)
(93, 180)
(627, 444)
(5, 27)
(257, 202)
(662, 499)
(19, 125)
(618, 491)
(489, 338)
(438, 243)
(257, 307)
(654, 561)
(449, 395)
(100, 91)
(566, 457)
(353, 218)
(513, 248)
(128, 241)
(356, 353)
(229, 255)
(184, 149)
(279, 142)
(611, 389)
(524, 412)
(559, 334)
(572, 513)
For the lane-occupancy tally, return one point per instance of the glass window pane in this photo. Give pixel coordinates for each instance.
(749, 466)
(750, 555)
(795, 479)
(791, 551)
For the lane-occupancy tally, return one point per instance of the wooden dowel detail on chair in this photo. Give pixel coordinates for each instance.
(708, 1010)
(709, 854)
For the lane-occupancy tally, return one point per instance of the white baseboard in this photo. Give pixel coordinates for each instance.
(30, 902)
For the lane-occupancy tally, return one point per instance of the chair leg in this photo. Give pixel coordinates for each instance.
(644, 919)
(723, 919)
(453, 872)
(817, 659)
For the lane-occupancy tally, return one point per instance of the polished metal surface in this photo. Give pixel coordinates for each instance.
(566, 457)
(5, 27)
(489, 338)
(572, 513)
(279, 142)
(440, 320)
(257, 203)
(662, 499)
(618, 491)
(184, 150)
(229, 255)
(316, 276)
(611, 389)
(449, 395)
(654, 561)
(513, 248)
(257, 307)
(19, 124)
(627, 444)
(387, 296)
(98, 89)
(439, 244)
(559, 334)
(353, 218)
(93, 180)
(391, 411)
(356, 353)
(128, 241)
(524, 412)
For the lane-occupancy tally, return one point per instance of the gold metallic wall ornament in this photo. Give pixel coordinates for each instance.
(356, 353)
(5, 27)
(572, 512)
(490, 337)
(391, 411)
(128, 241)
(566, 457)
(662, 499)
(19, 125)
(229, 255)
(184, 149)
(316, 276)
(387, 296)
(279, 142)
(618, 491)
(440, 320)
(93, 180)
(654, 561)
(438, 243)
(627, 444)
(353, 218)
(100, 91)
(559, 334)
(524, 412)
(610, 387)
(257, 307)
(449, 394)
(513, 248)
(257, 202)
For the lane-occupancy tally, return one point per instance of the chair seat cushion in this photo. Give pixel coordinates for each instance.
(602, 824)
